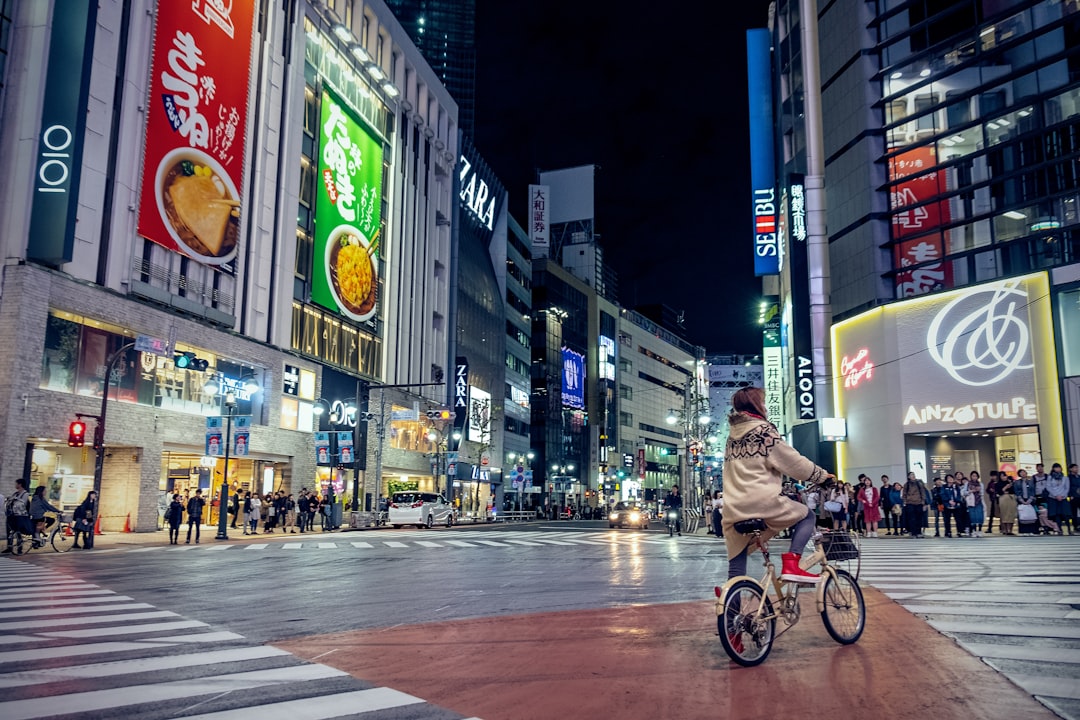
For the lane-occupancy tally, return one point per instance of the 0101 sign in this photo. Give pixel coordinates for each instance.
(54, 167)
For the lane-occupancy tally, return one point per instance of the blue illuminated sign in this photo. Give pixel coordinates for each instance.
(573, 379)
(762, 170)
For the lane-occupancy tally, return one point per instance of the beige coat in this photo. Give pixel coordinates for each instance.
(754, 463)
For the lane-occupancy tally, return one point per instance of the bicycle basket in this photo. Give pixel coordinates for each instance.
(839, 545)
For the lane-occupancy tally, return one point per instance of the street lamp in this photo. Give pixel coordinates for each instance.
(214, 386)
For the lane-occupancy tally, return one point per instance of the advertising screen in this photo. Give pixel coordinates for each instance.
(348, 211)
(573, 379)
(190, 200)
(908, 221)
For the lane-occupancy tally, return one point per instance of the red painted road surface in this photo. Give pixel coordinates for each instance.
(664, 661)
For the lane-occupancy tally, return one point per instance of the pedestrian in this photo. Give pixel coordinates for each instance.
(234, 508)
(1024, 487)
(174, 514)
(194, 516)
(313, 509)
(913, 496)
(303, 504)
(837, 505)
(871, 500)
(938, 505)
(290, 514)
(962, 489)
(1007, 505)
(1040, 477)
(974, 500)
(271, 513)
(950, 500)
(246, 509)
(84, 516)
(1057, 499)
(993, 493)
(17, 512)
(893, 504)
(254, 514)
(718, 513)
(1074, 495)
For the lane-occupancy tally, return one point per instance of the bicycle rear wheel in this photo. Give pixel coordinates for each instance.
(746, 639)
(61, 541)
(844, 614)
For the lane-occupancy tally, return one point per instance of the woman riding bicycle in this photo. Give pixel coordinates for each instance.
(38, 507)
(754, 463)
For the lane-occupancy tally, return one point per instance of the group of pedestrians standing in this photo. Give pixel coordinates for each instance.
(1044, 502)
(281, 510)
(26, 513)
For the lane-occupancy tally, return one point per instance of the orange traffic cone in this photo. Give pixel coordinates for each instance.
(127, 523)
(97, 526)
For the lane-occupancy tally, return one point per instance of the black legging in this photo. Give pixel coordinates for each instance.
(801, 533)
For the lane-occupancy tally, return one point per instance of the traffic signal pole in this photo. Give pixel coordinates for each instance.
(99, 430)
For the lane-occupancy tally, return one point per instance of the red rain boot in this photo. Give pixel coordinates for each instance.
(791, 571)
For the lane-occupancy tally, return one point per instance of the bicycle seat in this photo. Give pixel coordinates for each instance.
(748, 527)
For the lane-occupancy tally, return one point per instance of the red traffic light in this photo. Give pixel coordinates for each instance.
(77, 434)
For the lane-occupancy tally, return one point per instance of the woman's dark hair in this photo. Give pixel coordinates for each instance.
(39, 490)
(750, 400)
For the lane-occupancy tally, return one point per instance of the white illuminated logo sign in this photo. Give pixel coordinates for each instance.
(978, 338)
(474, 193)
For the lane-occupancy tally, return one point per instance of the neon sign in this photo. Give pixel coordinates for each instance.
(1016, 409)
(855, 369)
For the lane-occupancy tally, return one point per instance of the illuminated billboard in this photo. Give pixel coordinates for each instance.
(191, 200)
(978, 358)
(909, 221)
(348, 214)
(573, 379)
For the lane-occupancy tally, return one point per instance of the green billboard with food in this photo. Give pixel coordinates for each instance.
(347, 213)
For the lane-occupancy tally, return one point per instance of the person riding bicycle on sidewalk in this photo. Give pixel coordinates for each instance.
(38, 507)
(673, 501)
(755, 462)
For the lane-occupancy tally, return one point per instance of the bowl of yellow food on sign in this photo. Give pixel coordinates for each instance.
(350, 268)
(199, 205)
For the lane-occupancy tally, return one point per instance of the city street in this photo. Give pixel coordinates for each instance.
(535, 621)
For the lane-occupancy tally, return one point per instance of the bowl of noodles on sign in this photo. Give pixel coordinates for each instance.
(199, 205)
(350, 269)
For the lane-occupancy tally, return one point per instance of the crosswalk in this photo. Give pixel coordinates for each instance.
(372, 540)
(68, 647)
(1013, 602)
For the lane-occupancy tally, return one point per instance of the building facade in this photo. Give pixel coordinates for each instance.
(948, 132)
(257, 187)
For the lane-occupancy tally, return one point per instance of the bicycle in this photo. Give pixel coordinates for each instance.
(747, 609)
(61, 537)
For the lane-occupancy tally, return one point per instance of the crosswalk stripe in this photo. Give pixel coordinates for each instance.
(327, 545)
(124, 630)
(49, 595)
(524, 542)
(428, 543)
(392, 543)
(90, 701)
(1017, 652)
(91, 620)
(220, 636)
(126, 667)
(319, 708)
(292, 546)
(42, 612)
(461, 543)
(66, 651)
(257, 546)
(362, 545)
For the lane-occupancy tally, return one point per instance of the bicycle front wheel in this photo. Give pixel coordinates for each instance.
(61, 541)
(747, 637)
(844, 614)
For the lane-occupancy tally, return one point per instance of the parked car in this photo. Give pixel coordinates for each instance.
(422, 509)
(628, 515)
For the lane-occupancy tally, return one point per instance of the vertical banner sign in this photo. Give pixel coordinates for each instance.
(241, 435)
(803, 346)
(762, 169)
(214, 445)
(641, 463)
(773, 355)
(539, 220)
(461, 394)
(345, 448)
(58, 165)
(573, 379)
(194, 158)
(348, 213)
(322, 448)
(909, 221)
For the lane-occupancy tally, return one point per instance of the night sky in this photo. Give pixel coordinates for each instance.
(562, 84)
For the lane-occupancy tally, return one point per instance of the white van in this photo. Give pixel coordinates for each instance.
(422, 509)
